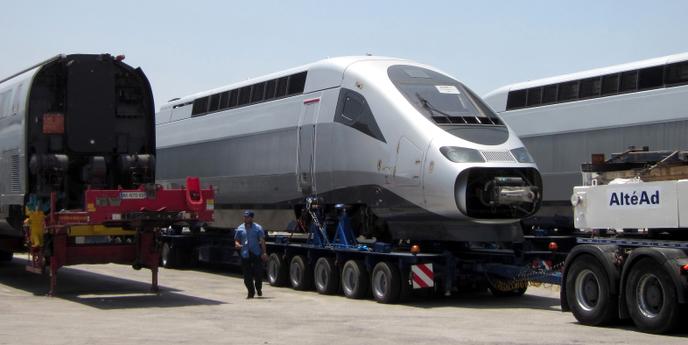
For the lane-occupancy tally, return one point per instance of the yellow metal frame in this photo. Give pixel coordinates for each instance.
(98, 230)
(35, 220)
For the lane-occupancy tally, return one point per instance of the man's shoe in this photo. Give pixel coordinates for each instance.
(259, 292)
(250, 296)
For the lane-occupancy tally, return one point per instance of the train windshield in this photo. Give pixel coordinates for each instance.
(437, 96)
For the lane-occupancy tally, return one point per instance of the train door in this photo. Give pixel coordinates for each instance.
(305, 158)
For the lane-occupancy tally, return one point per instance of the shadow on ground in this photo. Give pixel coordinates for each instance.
(464, 299)
(96, 290)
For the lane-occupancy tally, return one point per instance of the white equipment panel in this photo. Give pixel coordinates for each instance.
(662, 204)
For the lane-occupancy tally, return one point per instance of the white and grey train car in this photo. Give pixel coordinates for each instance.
(416, 152)
(564, 119)
(72, 121)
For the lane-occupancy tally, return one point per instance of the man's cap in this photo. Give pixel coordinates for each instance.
(248, 213)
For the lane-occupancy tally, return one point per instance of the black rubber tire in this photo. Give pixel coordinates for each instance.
(651, 298)
(385, 282)
(277, 270)
(515, 292)
(6, 256)
(326, 276)
(355, 280)
(168, 256)
(589, 292)
(300, 275)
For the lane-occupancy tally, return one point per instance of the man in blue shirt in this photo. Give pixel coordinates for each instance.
(249, 240)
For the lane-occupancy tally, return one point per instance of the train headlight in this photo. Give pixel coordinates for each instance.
(462, 154)
(522, 155)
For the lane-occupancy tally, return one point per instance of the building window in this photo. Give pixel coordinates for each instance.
(270, 88)
(516, 99)
(590, 87)
(629, 81)
(224, 100)
(549, 94)
(234, 98)
(610, 84)
(677, 73)
(258, 92)
(568, 91)
(651, 77)
(244, 95)
(534, 96)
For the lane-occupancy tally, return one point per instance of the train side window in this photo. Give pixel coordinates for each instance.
(590, 87)
(534, 96)
(281, 87)
(233, 98)
(651, 77)
(516, 99)
(568, 91)
(224, 100)
(297, 83)
(610, 84)
(244, 95)
(258, 92)
(200, 106)
(549, 94)
(214, 102)
(354, 111)
(270, 87)
(629, 81)
(677, 73)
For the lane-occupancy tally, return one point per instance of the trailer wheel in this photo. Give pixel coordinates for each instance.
(5, 256)
(589, 292)
(386, 283)
(278, 271)
(355, 280)
(300, 275)
(326, 276)
(651, 298)
(168, 257)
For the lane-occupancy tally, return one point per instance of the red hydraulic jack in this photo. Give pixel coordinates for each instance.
(117, 226)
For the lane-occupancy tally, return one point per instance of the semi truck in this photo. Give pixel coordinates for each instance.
(631, 261)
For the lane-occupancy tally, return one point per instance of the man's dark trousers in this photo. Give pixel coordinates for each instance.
(252, 267)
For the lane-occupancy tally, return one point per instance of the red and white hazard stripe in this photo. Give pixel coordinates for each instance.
(422, 276)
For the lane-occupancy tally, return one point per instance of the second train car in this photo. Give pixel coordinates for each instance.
(415, 152)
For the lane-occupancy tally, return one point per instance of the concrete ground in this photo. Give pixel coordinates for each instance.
(110, 304)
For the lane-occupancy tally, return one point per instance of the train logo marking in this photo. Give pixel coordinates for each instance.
(645, 198)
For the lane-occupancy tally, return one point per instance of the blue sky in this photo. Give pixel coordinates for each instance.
(189, 46)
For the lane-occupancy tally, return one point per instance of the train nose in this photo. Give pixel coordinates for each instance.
(498, 193)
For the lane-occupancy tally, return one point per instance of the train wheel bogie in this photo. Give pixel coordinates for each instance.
(300, 275)
(651, 298)
(355, 279)
(278, 270)
(589, 292)
(386, 282)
